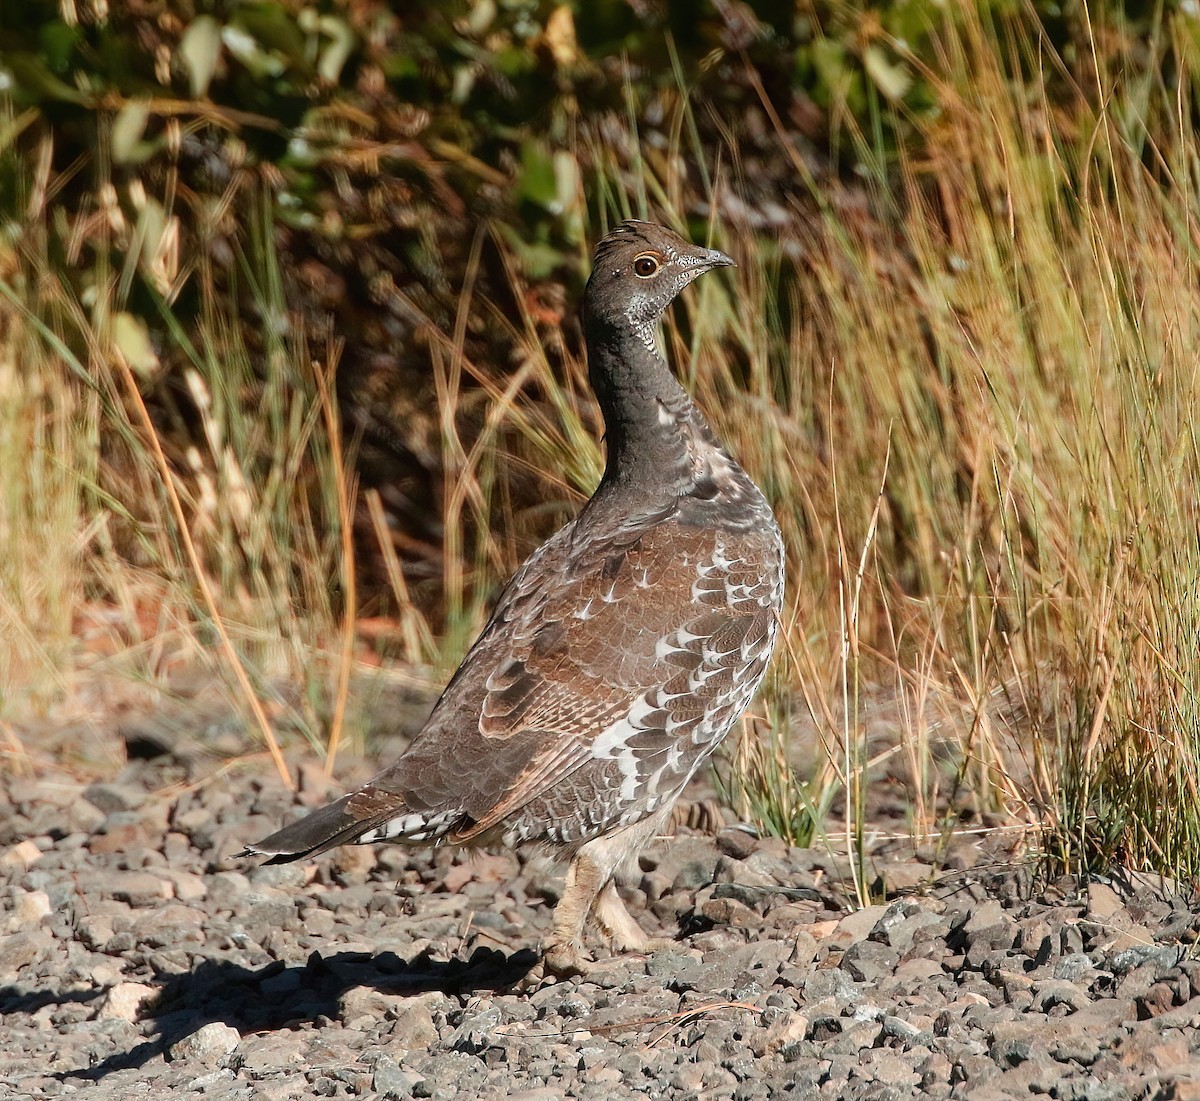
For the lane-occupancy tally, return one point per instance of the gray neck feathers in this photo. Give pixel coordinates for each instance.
(648, 417)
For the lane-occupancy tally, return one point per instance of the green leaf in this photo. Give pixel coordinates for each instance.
(200, 50)
(892, 78)
(335, 52)
(127, 131)
(33, 82)
(538, 183)
(132, 339)
(275, 30)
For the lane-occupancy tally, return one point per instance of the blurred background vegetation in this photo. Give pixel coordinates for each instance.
(291, 376)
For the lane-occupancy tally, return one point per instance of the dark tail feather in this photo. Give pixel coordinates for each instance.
(326, 828)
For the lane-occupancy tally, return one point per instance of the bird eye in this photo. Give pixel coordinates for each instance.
(645, 266)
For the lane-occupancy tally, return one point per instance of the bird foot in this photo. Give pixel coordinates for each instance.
(566, 961)
(557, 961)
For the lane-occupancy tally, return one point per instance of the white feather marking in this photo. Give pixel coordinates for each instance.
(414, 827)
(664, 647)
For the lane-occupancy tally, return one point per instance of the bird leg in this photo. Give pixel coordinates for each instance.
(590, 890)
(623, 931)
(563, 953)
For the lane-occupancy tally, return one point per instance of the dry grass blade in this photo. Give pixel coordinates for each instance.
(999, 311)
(324, 375)
(672, 1020)
(199, 574)
(686, 1016)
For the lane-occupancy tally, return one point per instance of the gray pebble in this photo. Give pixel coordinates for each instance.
(392, 1081)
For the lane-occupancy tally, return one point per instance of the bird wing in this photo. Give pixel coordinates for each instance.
(595, 642)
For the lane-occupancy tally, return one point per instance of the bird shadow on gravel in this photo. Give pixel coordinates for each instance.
(279, 996)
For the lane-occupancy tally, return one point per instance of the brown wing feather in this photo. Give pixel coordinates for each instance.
(575, 642)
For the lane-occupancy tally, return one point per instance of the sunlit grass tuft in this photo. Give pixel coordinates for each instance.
(967, 384)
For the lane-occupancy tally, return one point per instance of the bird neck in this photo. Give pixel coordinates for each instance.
(651, 425)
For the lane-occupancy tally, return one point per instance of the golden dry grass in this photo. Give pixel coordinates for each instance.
(973, 411)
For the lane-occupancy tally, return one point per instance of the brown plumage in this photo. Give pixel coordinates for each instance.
(620, 653)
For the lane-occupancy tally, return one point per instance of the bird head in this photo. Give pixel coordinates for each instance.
(639, 268)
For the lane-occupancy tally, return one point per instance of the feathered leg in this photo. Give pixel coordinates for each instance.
(590, 890)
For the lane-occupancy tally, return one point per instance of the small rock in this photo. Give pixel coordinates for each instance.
(21, 949)
(30, 907)
(21, 855)
(316, 788)
(869, 961)
(915, 971)
(1185, 1016)
(475, 1034)
(907, 876)
(895, 915)
(1184, 1087)
(728, 911)
(414, 1027)
(730, 872)
(288, 877)
(736, 843)
(789, 1030)
(1124, 936)
(267, 909)
(289, 1088)
(1073, 967)
(95, 930)
(804, 949)
(211, 1082)
(227, 890)
(188, 886)
(450, 1074)
(1160, 955)
(353, 863)
(1103, 902)
(170, 926)
(272, 1052)
(1056, 992)
(390, 1080)
(138, 888)
(688, 861)
(890, 1069)
(114, 797)
(981, 917)
(1161, 998)
(124, 1001)
(212, 1041)
(900, 1029)
(832, 983)
(690, 1077)
(858, 925)
(855, 1038)
(362, 1007)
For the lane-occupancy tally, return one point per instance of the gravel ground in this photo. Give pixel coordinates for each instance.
(140, 958)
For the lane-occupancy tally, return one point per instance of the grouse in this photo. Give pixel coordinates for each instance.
(620, 653)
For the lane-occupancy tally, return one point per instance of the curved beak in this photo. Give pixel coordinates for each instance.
(715, 259)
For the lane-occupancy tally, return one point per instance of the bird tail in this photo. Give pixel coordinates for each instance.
(339, 823)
